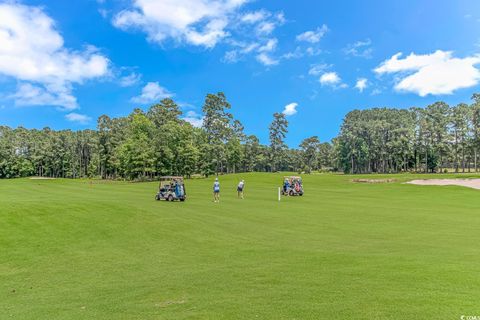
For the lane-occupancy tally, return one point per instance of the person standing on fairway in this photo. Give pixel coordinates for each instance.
(240, 187)
(216, 191)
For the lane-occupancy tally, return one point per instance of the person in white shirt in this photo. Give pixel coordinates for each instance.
(216, 191)
(240, 187)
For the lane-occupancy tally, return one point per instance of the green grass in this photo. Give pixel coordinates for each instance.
(94, 250)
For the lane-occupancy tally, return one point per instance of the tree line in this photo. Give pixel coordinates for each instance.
(147, 144)
(431, 139)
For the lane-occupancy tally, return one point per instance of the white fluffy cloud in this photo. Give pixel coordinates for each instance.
(266, 59)
(32, 51)
(197, 22)
(28, 94)
(205, 23)
(194, 119)
(330, 79)
(269, 23)
(264, 51)
(152, 92)
(254, 17)
(436, 73)
(361, 84)
(313, 36)
(269, 46)
(317, 69)
(290, 109)
(310, 44)
(76, 117)
(130, 80)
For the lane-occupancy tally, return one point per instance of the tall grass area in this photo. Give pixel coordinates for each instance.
(78, 249)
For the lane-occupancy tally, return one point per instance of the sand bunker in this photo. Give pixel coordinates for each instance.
(469, 183)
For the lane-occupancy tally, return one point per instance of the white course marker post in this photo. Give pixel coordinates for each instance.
(279, 198)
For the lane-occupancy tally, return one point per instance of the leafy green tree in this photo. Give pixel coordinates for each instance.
(164, 112)
(326, 155)
(278, 132)
(475, 113)
(461, 119)
(218, 128)
(136, 153)
(310, 149)
(234, 154)
(252, 154)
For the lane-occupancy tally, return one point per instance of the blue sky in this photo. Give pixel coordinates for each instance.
(64, 63)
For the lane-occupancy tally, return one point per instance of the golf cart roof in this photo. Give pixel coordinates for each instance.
(164, 178)
(292, 177)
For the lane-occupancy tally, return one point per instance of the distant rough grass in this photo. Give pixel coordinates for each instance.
(374, 180)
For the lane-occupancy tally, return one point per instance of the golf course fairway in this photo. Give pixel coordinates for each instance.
(81, 249)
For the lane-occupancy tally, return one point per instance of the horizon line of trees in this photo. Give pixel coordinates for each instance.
(148, 144)
(156, 142)
(432, 139)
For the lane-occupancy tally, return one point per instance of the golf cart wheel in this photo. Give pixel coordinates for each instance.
(182, 199)
(170, 198)
(291, 193)
(157, 198)
(300, 194)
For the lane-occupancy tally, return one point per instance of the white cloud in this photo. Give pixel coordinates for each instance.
(271, 45)
(299, 52)
(313, 36)
(280, 17)
(254, 17)
(263, 51)
(28, 94)
(205, 23)
(264, 57)
(290, 109)
(317, 69)
(436, 73)
(361, 49)
(266, 28)
(267, 60)
(250, 47)
(197, 22)
(32, 51)
(313, 51)
(330, 79)
(103, 13)
(231, 56)
(152, 92)
(241, 49)
(76, 117)
(130, 80)
(185, 105)
(361, 84)
(269, 23)
(194, 119)
(296, 54)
